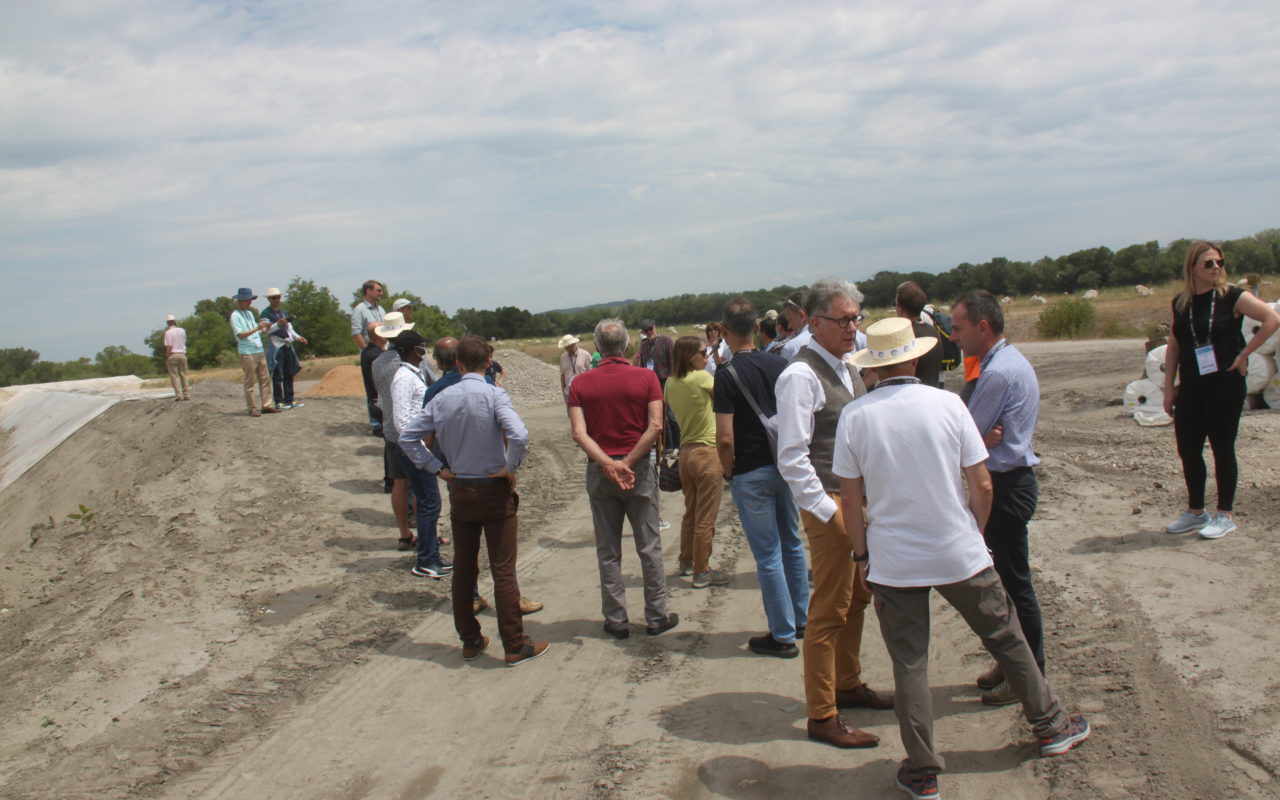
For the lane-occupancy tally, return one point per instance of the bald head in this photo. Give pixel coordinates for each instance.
(446, 352)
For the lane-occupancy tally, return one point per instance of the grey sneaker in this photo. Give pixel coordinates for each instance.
(702, 580)
(686, 568)
(1002, 695)
(1219, 525)
(663, 524)
(1189, 522)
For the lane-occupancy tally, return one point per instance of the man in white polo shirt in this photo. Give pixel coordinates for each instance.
(913, 450)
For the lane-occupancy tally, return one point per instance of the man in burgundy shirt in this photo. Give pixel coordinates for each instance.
(616, 414)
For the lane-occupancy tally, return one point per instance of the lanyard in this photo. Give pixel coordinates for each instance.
(1208, 328)
(903, 380)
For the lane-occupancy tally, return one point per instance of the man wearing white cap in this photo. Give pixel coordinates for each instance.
(913, 450)
(282, 361)
(405, 307)
(175, 358)
(573, 361)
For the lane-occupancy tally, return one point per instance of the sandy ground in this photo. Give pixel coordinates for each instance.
(236, 623)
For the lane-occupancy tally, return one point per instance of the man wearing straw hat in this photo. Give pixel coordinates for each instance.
(384, 369)
(282, 361)
(573, 361)
(248, 332)
(175, 358)
(913, 450)
(812, 391)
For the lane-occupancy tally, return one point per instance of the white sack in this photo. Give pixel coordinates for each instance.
(1149, 417)
(1261, 370)
(1155, 365)
(1250, 326)
(1142, 394)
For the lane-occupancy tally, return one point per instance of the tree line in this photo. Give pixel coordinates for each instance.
(324, 319)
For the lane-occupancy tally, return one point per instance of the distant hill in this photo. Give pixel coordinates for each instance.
(592, 307)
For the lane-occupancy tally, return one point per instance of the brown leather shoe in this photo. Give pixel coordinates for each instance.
(834, 732)
(527, 653)
(479, 604)
(864, 697)
(271, 410)
(528, 606)
(472, 651)
(991, 678)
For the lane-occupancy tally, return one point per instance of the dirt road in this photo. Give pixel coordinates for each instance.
(236, 623)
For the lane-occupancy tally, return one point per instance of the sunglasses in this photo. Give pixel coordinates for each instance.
(1211, 263)
(844, 322)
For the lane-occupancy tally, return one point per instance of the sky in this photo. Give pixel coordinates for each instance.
(555, 154)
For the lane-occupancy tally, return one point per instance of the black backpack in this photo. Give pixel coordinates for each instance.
(951, 357)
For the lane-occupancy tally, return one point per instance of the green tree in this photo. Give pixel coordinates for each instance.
(14, 362)
(319, 317)
(120, 360)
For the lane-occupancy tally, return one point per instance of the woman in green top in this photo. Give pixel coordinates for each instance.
(688, 393)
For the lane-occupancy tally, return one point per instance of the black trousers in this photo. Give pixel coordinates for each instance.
(1209, 406)
(1014, 497)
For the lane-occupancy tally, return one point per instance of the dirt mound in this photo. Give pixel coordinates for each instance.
(344, 381)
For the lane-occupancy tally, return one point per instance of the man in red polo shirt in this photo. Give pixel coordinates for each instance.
(616, 414)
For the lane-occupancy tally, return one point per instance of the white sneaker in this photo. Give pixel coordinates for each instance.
(663, 524)
(1189, 522)
(1219, 525)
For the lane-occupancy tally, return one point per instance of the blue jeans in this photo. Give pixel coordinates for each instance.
(426, 491)
(769, 519)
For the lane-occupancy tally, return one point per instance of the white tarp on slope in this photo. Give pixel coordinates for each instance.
(36, 418)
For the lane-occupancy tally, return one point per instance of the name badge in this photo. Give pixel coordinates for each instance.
(1205, 360)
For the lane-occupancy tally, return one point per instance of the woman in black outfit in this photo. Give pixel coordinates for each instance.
(1209, 351)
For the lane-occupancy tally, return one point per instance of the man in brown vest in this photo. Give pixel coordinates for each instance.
(812, 391)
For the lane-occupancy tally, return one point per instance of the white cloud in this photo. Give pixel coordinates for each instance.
(476, 154)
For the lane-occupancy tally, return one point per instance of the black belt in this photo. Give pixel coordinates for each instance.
(464, 482)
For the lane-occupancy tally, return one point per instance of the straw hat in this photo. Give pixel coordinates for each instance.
(393, 325)
(169, 318)
(567, 340)
(892, 341)
(273, 292)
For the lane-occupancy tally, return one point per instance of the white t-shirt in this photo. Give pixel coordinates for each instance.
(908, 443)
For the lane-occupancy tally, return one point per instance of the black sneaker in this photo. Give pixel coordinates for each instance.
(800, 633)
(673, 619)
(429, 571)
(768, 646)
(617, 633)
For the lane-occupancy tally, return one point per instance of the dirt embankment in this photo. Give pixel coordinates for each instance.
(237, 623)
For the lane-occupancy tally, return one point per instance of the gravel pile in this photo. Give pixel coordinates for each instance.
(530, 382)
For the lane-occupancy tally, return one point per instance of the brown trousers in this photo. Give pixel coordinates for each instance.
(177, 364)
(833, 637)
(255, 368)
(703, 481)
(488, 511)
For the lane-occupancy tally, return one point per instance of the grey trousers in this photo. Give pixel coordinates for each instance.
(982, 602)
(609, 505)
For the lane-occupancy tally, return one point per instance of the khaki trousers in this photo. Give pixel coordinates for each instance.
(177, 364)
(703, 482)
(833, 637)
(255, 367)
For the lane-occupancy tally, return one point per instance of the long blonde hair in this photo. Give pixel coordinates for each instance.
(1194, 253)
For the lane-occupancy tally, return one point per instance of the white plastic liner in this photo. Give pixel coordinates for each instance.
(1143, 394)
(1155, 364)
(1261, 370)
(34, 422)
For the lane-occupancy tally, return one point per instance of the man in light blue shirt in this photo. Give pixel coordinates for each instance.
(1005, 405)
(483, 440)
(248, 331)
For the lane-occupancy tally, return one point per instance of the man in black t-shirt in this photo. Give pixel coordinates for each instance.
(910, 300)
(764, 502)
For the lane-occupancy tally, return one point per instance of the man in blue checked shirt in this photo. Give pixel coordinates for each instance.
(483, 440)
(1005, 405)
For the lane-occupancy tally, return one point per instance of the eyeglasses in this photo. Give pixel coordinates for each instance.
(1210, 263)
(843, 322)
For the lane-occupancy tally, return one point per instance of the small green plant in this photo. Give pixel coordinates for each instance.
(85, 517)
(1068, 318)
(46, 722)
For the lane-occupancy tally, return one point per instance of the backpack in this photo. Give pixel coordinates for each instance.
(951, 356)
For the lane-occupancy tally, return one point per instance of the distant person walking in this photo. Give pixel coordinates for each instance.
(573, 361)
(253, 360)
(615, 411)
(765, 506)
(282, 361)
(688, 394)
(363, 314)
(483, 441)
(175, 358)
(914, 450)
(1208, 350)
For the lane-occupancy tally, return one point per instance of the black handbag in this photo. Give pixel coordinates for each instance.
(669, 471)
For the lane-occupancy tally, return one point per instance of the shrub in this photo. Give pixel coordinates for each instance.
(1068, 318)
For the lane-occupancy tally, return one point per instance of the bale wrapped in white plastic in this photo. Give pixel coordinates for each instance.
(1151, 416)
(1142, 394)
(1155, 365)
(1092, 294)
(1271, 394)
(1250, 326)
(1261, 370)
